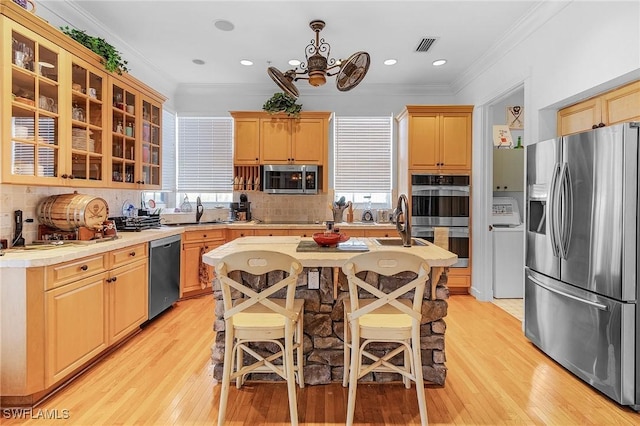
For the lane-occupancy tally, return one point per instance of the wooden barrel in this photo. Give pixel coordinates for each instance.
(69, 212)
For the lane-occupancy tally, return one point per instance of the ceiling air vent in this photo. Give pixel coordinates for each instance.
(425, 44)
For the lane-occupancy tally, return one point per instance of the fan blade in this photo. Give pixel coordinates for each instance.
(284, 81)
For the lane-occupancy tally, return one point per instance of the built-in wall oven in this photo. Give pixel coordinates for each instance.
(442, 200)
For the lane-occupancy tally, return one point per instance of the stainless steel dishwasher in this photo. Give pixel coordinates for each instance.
(164, 274)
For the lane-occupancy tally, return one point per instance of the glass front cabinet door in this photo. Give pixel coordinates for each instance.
(124, 150)
(87, 114)
(151, 126)
(31, 149)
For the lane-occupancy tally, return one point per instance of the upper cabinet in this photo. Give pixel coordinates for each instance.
(247, 139)
(508, 170)
(435, 138)
(616, 106)
(261, 138)
(67, 121)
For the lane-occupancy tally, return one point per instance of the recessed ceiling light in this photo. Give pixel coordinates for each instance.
(246, 62)
(390, 62)
(439, 62)
(198, 61)
(294, 62)
(224, 25)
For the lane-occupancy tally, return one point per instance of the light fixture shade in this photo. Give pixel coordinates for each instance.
(349, 73)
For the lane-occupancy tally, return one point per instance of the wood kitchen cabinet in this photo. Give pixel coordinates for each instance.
(616, 106)
(197, 276)
(300, 140)
(232, 234)
(91, 304)
(508, 170)
(435, 138)
(247, 139)
(61, 114)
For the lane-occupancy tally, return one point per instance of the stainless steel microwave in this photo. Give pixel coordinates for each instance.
(290, 179)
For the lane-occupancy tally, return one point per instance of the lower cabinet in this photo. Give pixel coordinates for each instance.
(84, 317)
(128, 302)
(197, 276)
(76, 326)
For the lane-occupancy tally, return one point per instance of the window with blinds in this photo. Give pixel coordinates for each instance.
(205, 154)
(362, 157)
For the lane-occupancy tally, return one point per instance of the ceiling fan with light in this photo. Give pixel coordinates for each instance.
(317, 68)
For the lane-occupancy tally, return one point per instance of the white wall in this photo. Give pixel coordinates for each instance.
(586, 48)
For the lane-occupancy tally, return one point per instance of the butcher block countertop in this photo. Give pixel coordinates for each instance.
(434, 255)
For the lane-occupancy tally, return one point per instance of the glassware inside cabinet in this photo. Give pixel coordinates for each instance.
(22, 51)
(47, 63)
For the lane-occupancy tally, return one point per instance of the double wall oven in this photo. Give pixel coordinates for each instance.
(442, 200)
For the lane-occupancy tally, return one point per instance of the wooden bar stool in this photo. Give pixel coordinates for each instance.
(373, 315)
(259, 316)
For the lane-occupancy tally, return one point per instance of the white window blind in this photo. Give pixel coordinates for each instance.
(168, 151)
(205, 154)
(362, 154)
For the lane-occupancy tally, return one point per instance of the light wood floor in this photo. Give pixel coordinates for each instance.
(163, 376)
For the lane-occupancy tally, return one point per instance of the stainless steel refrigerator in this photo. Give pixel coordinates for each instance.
(582, 233)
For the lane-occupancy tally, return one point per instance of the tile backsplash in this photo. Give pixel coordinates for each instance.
(27, 198)
(270, 208)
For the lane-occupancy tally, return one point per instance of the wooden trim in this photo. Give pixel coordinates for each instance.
(51, 33)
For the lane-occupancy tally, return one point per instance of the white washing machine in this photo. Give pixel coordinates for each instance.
(508, 249)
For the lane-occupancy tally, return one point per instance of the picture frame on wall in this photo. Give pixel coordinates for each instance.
(502, 136)
(515, 117)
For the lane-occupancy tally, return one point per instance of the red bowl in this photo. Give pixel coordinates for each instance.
(329, 239)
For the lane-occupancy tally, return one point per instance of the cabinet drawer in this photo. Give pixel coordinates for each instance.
(305, 232)
(74, 270)
(127, 255)
(232, 234)
(209, 234)
(380, 233)
(270, 232)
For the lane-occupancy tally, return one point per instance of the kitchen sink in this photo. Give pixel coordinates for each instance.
(397, 242)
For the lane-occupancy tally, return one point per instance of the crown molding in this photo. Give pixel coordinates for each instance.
(536, 17)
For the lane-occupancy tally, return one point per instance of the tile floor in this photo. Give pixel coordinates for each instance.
(514, 307)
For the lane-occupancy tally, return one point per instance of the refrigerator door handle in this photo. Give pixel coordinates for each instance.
(567, 210)
(570, 296)
(553, 198)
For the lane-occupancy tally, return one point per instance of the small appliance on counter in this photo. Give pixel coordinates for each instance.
(242, 210)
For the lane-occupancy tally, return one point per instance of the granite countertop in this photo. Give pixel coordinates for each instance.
(433, 254)
(258, 224)
(16, 258)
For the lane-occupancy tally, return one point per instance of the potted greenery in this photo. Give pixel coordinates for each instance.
(111, 58)
(281, 102)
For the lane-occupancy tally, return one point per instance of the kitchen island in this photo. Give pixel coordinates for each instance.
(323, 320)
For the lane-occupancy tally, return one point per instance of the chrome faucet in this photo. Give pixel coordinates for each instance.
(401, 219)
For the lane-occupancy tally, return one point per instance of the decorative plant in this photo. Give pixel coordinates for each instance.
(111, 58)
(281, 102)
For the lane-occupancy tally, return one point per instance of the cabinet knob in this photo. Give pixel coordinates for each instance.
(72, 177)
(601, 125)
(114, 279)
(204, 235)
(505, 187)
(595, 126)
(84, 267)
(64, 176)
(133, 253)
(108, 280)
